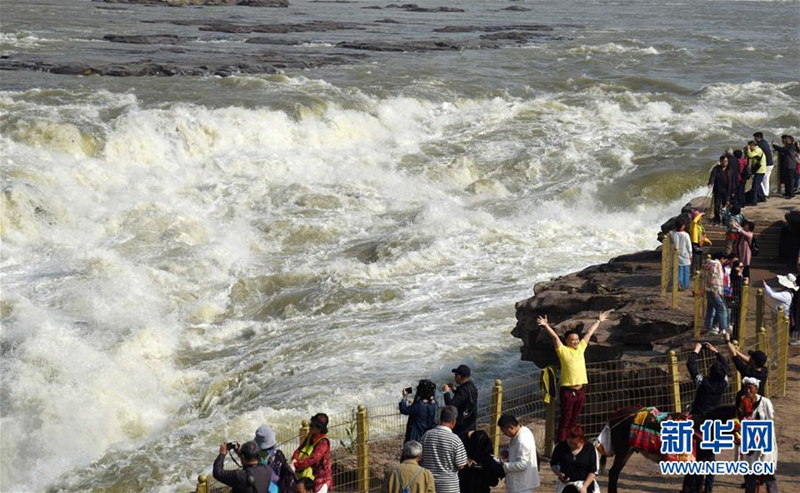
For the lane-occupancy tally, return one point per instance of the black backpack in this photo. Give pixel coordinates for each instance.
(286, 477)
(754, 250)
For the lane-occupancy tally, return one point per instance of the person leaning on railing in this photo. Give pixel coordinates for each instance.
(710, 389)
(573, 371)
(752, 365)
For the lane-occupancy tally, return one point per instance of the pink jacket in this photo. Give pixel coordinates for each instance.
(745, 240)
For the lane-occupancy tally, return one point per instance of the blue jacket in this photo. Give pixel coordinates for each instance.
(421, 418)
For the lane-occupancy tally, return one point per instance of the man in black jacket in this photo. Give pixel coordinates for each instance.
(753, 364)
(465, 399)
(720, 184)
(788, 168)
(708, 396)
(709, 388)
(252, 478)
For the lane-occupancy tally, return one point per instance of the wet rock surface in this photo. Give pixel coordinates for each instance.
(413, 7)
(490, 29)
(276, 28)
(416, 46)
(163, 39)
(256, 65)
(188, 3)
(201, 45)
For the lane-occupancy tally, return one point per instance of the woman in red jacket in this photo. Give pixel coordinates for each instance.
(312, 459)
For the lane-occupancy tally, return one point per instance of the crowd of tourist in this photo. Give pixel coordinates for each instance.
(443, 450)
(725, 272)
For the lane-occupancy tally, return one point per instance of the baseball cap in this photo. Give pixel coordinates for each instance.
(462, 370)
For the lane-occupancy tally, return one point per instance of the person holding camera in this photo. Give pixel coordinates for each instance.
(421, 411)
(465, 399)
(253, 477)
(757, 161)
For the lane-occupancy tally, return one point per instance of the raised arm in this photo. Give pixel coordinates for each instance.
(600, 319)
(691, 361)
(737, 356)
(542, 322)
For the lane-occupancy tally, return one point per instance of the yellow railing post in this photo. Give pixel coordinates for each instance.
(497, 410)
(675, 387)
(743, 300)
(737, 382)
(550, 427)
(762, 344)
(304, 431)
(202, 484)
(362, 449)
(674, 278)
(759, 308)
(698, 304)
(783, 355)
(666, 251)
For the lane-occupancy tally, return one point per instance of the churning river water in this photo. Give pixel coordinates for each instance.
(186, 258)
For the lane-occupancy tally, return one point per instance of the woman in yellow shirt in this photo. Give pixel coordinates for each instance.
(573, 371)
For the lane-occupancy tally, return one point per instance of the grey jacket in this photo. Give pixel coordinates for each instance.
(788, 156)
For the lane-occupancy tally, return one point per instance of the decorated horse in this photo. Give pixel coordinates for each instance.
(645, 439)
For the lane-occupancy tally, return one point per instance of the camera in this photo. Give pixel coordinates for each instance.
(408, 390)
(232, 446)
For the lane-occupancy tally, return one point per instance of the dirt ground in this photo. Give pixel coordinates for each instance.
(642, 476)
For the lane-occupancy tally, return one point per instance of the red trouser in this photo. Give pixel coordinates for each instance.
(571, 403)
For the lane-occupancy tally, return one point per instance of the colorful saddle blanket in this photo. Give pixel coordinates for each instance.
(645, 433)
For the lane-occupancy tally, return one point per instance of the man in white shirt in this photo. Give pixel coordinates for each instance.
(762, 409)
(522, 471)
(778, 299)
(680, 240)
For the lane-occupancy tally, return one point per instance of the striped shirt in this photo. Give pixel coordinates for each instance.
(443, 454)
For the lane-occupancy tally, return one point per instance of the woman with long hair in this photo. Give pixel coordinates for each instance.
(483, 471)
(421, 411)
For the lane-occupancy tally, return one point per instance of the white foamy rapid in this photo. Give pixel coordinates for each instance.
(176, 274)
